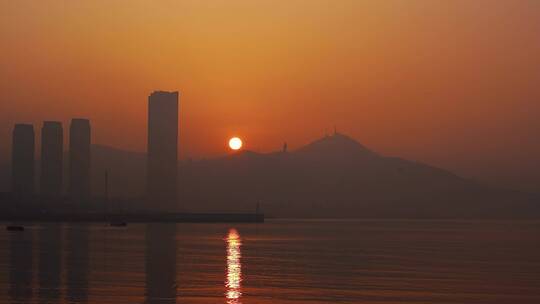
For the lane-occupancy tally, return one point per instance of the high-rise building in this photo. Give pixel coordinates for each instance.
(79, 158)
(22, 160)
(52, 142)
(162, 163)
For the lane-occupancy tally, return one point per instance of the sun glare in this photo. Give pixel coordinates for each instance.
(235, 143)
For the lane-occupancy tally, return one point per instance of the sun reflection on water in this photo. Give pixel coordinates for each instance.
(234, 268)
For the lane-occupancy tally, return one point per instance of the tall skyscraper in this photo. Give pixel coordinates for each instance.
(162, 150)
(79, 158)
(52, 142)
(22, 160)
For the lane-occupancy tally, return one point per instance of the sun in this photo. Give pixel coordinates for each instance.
(235, 143)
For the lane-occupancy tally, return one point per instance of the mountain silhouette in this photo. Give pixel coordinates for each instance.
(334, 176)
(334, 147)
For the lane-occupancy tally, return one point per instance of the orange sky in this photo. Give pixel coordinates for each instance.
(455, 84)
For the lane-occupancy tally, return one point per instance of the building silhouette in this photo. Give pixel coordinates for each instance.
(162, 162)
(52, 142)
(22, 177)
(79, 158)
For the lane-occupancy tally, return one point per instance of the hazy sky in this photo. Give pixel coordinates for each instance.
(455, 84)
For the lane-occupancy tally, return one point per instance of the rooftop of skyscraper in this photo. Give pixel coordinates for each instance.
(164, 93)
(52, 124)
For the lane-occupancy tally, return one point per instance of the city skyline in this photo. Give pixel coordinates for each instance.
(162, 158)
(38, 152)
(50, 181)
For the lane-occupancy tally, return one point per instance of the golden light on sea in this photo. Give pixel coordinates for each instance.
(233, 282)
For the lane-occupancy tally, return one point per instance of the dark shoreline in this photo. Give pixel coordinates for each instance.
(136, 217)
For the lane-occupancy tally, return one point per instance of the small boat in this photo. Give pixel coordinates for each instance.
(14, 228)
(118, 224)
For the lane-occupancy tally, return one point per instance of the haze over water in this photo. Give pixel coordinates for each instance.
(286, 261)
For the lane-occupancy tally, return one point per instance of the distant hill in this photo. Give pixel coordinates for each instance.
(338, 177)
(334, 176)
